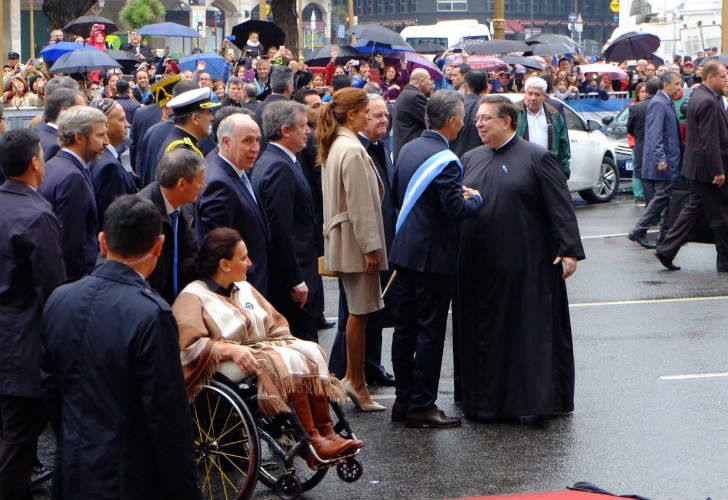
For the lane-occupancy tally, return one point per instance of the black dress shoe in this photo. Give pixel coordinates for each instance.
(532, 421)
(382, 379)
(434, 418)
(666, 262)
(641, 239)
(399, 412)
(325, 324)
(40, 474)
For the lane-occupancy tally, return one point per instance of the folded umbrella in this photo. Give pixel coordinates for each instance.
(168, 29)
(82, 25)
(52, 52)
(269, 33)
(214, 64)
(83, 61)
(632, 45)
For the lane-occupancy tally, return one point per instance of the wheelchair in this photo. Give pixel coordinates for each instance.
(236, 445)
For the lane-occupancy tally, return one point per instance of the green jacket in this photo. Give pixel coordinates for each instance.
(557, 133)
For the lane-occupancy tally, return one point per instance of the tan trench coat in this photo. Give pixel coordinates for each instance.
(352, 192)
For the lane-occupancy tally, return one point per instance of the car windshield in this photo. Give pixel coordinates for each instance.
(618, 128)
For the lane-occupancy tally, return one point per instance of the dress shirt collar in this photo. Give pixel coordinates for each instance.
(80, 160)
(52, 125)
(111, 149)
(285, 150)
(238, 171)
(443, 137)
(536, 115)
(216, 288)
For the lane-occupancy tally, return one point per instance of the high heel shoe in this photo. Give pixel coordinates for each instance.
(354, 396)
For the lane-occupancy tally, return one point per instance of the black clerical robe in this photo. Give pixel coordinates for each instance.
(511, 310)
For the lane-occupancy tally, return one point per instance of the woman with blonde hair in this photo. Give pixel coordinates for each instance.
(353, 229)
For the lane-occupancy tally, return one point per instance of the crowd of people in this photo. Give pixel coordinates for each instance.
(160, 230)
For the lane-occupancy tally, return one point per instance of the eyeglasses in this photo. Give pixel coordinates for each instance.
(484, 118)
(378, 116)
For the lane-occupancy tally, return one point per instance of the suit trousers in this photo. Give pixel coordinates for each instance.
(658, 194)
(373, 344)
(682, 227)
(715, 203)
(420, 319)
(22, 420)
(300, 321)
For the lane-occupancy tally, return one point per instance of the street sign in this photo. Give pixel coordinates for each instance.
(614, 6)
(572, 17)
(579, 25)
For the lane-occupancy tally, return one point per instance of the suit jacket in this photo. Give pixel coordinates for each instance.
(382, 160)
(352, 192)
(283, 191)
(144, 118)
(161, 280)
(469, 137)
(48, 139)
(143, 50)
(662, 140)
(31, 267)
(312, 172)
(114, 389)
(706, 152)
(636, 128)
(68, 189)
(150, 151)
(110, 180)
(129, 105)
(427, 241)
(226, 202)
(409, 117)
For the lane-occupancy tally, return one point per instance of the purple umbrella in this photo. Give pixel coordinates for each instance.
(414, 61)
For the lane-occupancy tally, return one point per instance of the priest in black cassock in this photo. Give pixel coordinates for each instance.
(511, 315)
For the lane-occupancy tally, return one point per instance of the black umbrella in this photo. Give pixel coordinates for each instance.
(550, 48)
(323, 55)
(83, 61)
(721, 58)
(376, 38)
(82, 25)
(551, 38)
(127, 60)
(269, 33)
(632, 45)
(523, 61)
(494, 47)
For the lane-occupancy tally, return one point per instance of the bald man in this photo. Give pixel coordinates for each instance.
(229, 200)
(409, 110)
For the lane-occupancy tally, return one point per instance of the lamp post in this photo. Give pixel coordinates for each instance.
(499, 21)
(723, 28)
(261, 11)
(313, 28)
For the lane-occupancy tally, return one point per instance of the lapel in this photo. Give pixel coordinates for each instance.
(158, 200)
(85, 173)
(244, 194)
(301, 180)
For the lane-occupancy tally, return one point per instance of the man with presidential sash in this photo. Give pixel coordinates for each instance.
(427, 188)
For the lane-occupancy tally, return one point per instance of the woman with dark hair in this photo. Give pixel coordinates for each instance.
(17, 96)
(227, 326)
(393, 81)
(353, 228)
(638, 192)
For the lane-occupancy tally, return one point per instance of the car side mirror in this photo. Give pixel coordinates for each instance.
(606, 120)
(594, 125)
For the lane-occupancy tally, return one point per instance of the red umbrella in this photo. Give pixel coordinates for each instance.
(482, 62)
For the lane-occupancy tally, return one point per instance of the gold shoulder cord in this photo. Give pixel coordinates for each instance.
(183, 142)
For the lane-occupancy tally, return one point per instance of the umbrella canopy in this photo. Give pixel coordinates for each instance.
(526, 62)
(52, 52)
(168, 29)
(323, 55)
(269, 33)
(551, 48)
(551, 38)
(214, 64)
(83, 61)
(614, 72)
(495, 47)
(82, 25)
(127, 60)
(632, 45)
(480, 62)
(721, 58)
(414, 61)
(376, 38)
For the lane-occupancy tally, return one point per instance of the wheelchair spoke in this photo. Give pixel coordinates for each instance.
(227, 419)
(207, 479)
(231, 443)
(213, 414)
(197, 423)
(245, 474)
(223, 454)
(229, 431)
(224, 476)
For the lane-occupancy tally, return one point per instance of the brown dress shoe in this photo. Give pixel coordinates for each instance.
(433, 417)
(399, 412)
(327, 432)
(327, 448)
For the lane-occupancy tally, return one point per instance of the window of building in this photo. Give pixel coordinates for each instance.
(452, 5)
(489, 5)
(380, 7)
(521, 6)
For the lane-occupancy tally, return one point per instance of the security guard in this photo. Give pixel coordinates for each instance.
(192, 120)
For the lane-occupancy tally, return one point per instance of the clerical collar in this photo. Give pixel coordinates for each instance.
(111, 149)
(239, 171)
(507, 143)
(216, 288)
(285, 150)
(167, 205)
(369, 141)
(443, 137)
(80, 160)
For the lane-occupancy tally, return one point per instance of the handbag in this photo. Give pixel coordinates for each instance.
(323, 270)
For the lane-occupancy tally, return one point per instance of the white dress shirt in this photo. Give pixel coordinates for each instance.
(537, 128)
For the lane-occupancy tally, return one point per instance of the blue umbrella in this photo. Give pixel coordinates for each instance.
(168, 29)
(83, 61)
(52, 52)
(215, 64)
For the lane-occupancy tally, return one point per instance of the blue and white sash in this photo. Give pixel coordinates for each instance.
(422, 177)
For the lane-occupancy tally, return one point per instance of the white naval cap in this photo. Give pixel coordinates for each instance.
(192, 100)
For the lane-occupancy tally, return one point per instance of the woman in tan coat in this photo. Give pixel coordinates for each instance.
(353, 228)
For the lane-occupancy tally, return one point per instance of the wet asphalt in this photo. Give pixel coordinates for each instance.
(632, 432)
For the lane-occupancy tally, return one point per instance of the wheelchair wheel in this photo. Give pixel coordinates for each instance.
(273, 466)
(227, 446)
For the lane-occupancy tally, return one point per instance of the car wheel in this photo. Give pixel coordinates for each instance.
(607, 186)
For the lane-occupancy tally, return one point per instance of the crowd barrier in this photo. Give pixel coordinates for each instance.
(20, 117)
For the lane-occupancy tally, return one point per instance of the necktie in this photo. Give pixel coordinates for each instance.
(248, 186)
(174, 216)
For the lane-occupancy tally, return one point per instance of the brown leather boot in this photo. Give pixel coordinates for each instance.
(322, 420)
(325, 448)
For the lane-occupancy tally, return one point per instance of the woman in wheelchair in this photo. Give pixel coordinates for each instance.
(227, 326)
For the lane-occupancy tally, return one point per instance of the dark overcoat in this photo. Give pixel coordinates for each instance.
(110, 180)
(144, 119)
(48, 139)
(706, 153)
(409, 117)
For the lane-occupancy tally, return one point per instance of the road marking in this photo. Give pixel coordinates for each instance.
(694, 376)
(647, 301)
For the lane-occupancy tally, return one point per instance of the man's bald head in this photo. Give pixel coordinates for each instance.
(239, 139)
(420, 78)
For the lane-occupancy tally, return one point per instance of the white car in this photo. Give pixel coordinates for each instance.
(594, 173)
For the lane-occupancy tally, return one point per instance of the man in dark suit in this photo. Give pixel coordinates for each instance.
(661, 158)
(476, 85)
(636, 125)
(60, 100)
(31, 267)
(68, 187)
(229, 199)
(706, 155)
(373, 138)
(409, 110)
(281, 85)
(108, 176)
(424, 254)
(137, 47)
(111, 373)
(283, 191)
(125, 100)
(180, 178)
